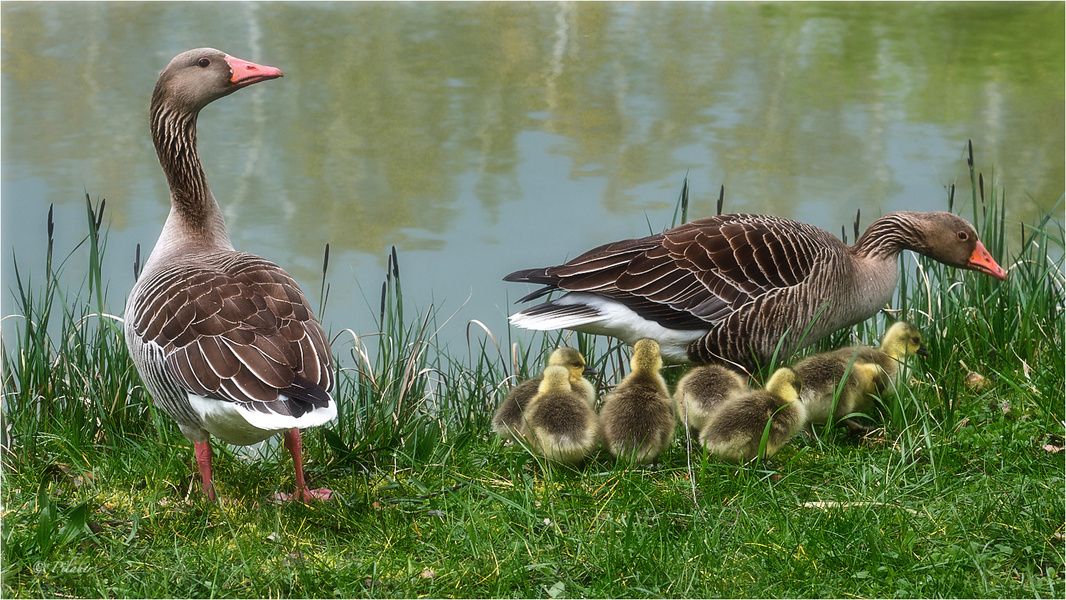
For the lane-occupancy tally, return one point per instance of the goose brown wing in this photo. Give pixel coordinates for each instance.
(237, 328)
(696, 273)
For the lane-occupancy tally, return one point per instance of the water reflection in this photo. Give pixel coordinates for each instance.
(484, 137)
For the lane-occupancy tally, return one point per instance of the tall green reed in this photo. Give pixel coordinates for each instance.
(386, 393)
(986, 334)
(68, 382)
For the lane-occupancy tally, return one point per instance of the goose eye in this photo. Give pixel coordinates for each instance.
(963, 236)
(204, 63)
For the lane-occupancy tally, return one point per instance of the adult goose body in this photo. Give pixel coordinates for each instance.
(730, 288)
(225, 342)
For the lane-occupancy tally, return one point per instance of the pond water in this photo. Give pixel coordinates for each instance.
(480, 138)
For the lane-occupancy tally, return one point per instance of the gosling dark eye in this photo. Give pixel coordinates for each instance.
(963, 236)
(206, 62)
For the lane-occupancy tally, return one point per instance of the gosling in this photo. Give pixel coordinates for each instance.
(870, 372)
(701, 391)
(508, 416)
(559, 421)
(736, 429)
(638, 418)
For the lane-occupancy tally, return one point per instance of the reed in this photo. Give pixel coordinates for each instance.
(987, 336)
(68, 382)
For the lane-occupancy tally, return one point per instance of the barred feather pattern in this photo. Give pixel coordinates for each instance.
(174, 136)
(228, 326)
(751, 280)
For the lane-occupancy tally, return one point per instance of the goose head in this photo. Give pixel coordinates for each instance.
(902, 340)
(949, 239)
(573, 362)
(195, 78)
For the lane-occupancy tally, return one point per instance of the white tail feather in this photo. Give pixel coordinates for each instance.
(242, 426)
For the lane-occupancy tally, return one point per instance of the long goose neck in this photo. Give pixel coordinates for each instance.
(194, 211)
(886, 237)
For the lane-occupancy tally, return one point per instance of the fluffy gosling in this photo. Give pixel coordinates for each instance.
(735, 430)
(870, 371)
(508, 417)
(701, 391)
(638, 417)
(559, 421)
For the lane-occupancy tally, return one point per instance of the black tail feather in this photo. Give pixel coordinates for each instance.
(534, 276)
(302, 397)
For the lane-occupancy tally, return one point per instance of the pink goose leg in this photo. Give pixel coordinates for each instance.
(203, 460)
(302, 494)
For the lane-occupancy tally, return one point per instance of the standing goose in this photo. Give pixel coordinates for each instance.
(729, 288)
(508, 417)
(224, 341)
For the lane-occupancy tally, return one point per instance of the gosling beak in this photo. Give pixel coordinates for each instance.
(589, 371)
(982, 261)
(923, 351)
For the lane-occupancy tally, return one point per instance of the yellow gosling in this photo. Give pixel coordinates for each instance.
(702, 390)
(638, 418)
(865, 372)
(735, 431)
(508, 417)
(559, 421)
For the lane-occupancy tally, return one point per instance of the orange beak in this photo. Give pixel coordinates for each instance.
(982, 261)
(246, 73)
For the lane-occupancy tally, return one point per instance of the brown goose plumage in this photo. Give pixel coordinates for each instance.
(225, 341)
(729, 288)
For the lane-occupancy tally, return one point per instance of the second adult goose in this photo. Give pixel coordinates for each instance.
(225, 341)
(730, 288)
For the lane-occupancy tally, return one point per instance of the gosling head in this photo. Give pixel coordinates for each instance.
(646, 357)
(556, 379)
(902, 340)
(785, 384)
(572, 360)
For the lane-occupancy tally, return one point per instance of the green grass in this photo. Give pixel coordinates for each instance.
(955, 496)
